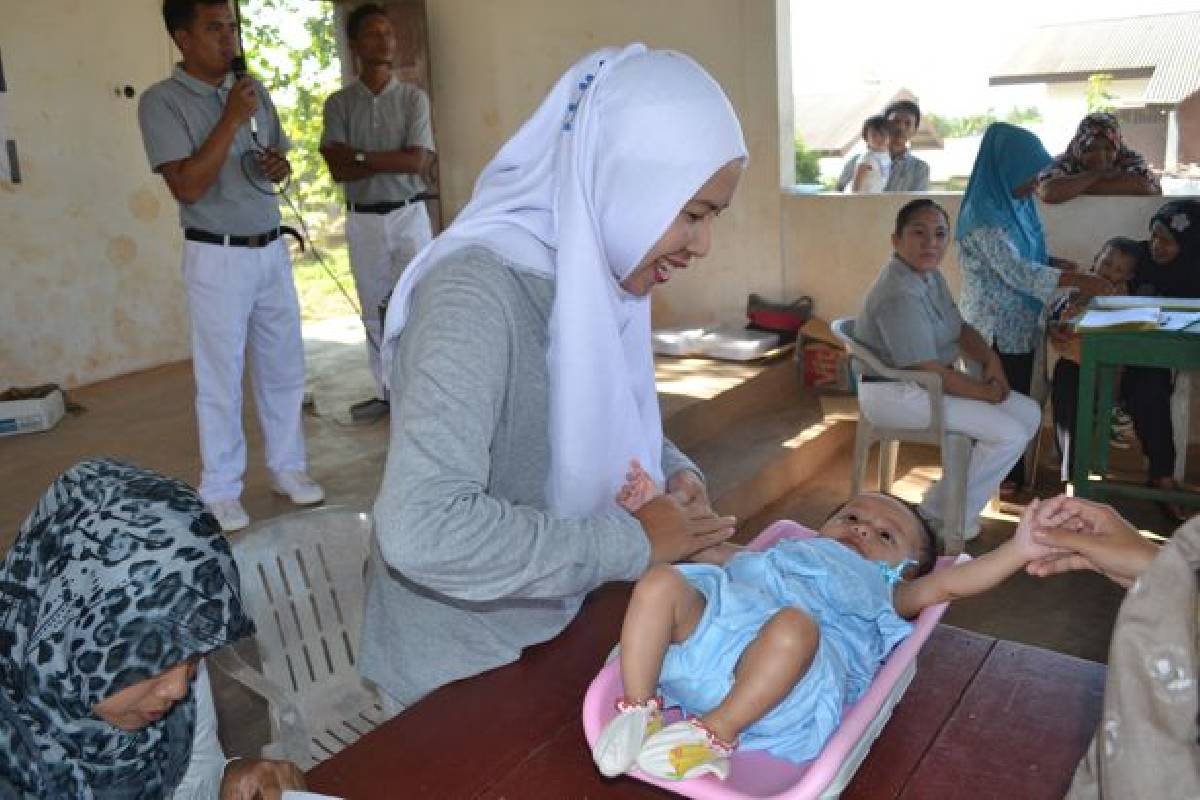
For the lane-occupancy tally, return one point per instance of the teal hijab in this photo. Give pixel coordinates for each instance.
(1008, 157)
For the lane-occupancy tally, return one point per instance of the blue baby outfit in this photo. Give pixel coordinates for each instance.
(850, 599)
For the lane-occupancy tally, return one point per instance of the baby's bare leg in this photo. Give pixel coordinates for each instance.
(771, 665)
(664, 608)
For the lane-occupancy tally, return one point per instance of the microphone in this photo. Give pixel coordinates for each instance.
(238, 65)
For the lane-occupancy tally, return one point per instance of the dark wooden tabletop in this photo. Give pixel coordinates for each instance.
(982, 719)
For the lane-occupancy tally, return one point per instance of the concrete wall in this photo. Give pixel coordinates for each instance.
(89, 249)
(492, 62)
(89, 243)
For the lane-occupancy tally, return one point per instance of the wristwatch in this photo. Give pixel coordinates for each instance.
(360, 157)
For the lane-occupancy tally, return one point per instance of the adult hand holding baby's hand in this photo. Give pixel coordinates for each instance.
(1088, 535)
(1026, 536)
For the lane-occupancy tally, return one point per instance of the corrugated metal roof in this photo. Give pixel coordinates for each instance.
(1164, 46)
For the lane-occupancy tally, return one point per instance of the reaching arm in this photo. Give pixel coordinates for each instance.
(977, 575)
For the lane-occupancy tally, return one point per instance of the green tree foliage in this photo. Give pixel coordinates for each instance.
(291, 47)
(975, 124)
(808, 163)
(1099, 98)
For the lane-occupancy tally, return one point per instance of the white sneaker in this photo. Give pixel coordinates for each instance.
(230, 514)
(301, 489)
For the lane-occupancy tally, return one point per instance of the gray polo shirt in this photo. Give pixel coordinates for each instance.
(909, 317)
(395, 118)
(909, 174)
(176, 116)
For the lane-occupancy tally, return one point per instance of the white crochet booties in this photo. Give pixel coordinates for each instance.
(616, 749)
(685, 750)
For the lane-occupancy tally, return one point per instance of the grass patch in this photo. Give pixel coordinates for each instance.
(320, 297)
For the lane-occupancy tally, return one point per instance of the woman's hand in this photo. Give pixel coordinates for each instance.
(259, 779)
(688, 488)
(677, 532)
(997, 381)
(1090, 536)
(1065, 264)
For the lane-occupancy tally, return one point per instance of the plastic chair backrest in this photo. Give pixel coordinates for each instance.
(303, 584)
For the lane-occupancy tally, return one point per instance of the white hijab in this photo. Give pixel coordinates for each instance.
(581, 194)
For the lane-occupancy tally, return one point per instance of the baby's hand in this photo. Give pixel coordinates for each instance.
(1032, 522)
(639, 488)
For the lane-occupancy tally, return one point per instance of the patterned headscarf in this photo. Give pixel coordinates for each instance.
(1008, 157)
(1092, 127)
(117, 575)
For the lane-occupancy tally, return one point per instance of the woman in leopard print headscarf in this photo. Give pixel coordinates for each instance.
(118, 578)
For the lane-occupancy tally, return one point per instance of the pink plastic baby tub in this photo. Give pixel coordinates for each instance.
(759, 775)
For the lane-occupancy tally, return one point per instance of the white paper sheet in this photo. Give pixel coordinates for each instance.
(1132, 317)
(1132, 301)
(292, 794)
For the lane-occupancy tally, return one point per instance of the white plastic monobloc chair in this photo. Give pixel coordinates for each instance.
(303, 584)
(955, 447)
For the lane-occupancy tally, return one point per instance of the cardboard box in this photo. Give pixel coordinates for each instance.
(824, 363)
(29, 416)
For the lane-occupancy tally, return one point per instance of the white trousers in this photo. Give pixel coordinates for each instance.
(381, 245)
(1001, 433)
(239, 296)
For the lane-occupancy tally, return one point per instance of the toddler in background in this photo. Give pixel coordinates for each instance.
(875, 165)
(769, 648)
(1116, 262)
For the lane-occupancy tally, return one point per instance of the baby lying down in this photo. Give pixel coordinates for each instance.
(766, 650)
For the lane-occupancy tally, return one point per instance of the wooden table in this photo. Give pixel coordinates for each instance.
(983, 718)
(1102, 354)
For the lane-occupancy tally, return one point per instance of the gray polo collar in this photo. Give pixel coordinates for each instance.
(391, 86)
(906, 274)
(197, 86)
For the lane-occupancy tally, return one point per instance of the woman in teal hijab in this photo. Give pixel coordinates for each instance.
(1007, 273)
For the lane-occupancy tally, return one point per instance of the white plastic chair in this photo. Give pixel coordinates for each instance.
(303, 584)
(955, 447)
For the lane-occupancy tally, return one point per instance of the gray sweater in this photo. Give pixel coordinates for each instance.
(468, 567)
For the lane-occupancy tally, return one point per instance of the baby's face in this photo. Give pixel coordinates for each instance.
(878, 140)
(1114, 266)
(878, 528)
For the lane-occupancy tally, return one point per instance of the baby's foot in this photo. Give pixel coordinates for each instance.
(638, 490)
(616, 749)
(685, 750)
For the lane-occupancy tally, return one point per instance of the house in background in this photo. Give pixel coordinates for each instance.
(1154, 64)
(830, 123)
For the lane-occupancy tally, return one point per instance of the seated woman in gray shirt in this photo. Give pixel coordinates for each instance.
(910, 320)
(517, 346)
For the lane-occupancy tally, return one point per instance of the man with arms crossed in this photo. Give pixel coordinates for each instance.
(378, 144)
(216, 140)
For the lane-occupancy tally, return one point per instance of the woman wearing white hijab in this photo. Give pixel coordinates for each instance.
(517, 346)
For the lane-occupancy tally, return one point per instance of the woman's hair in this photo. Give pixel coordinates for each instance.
(912, 207)
(876, 122)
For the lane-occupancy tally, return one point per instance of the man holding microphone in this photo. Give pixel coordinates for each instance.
(215, 138)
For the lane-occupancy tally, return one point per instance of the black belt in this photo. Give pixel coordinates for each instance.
(253, 240)
(387, 208)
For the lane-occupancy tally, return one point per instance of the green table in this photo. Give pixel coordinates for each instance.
(1102, 353)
